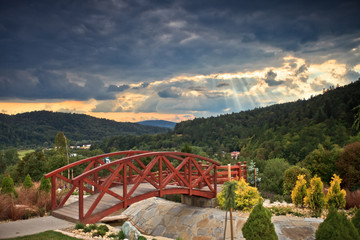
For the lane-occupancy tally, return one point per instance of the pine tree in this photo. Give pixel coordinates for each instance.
(27, 184)
(45, 184)
(7, 186)
(356, 220)
(259, 225)
(336, 226)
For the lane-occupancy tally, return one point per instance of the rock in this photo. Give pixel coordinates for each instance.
(130, 231)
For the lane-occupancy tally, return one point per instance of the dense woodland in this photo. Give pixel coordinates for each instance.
(37, 129)
(289, 130)
(317, 135)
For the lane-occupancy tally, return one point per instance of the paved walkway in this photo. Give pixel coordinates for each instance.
(32, 226)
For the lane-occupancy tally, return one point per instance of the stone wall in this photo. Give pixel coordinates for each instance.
(159, 217)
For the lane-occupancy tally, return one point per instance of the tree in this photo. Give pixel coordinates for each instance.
(45, 184)
(356, 123)
(321, 162)
(335, 197)
(33, 163)
(356, 220)
(7, 186)
(27, 184)
(61, 144)
(186, 148)
(315, 198)
(272, 179)
(230, 188)
(291, 177)
(348, 165)
(336, 226)
(299, 192)
(259, 225)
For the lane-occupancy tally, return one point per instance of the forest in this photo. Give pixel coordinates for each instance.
(38, 128)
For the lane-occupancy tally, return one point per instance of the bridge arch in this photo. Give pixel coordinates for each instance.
(137, 176)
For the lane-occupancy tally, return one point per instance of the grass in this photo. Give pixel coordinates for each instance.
(45, 236)
(22, 153)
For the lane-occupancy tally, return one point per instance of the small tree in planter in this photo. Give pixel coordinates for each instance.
(315, 198)
(336, 226)
(335, 197)
(259, 225)
(299, 192)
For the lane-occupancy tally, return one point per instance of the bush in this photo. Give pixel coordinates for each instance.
(356, 220)
(79, 225)
(259, 225)
(141, 238)
(299, 192)
(315, 198)
(272, 179)
(45, 184)
(291, 176)
(27, 184)
(336, 226)
(246, 196)
(103, 227)
(335, 197)
(352, 199)
(121, 235)
(7, 186)
(99, 232)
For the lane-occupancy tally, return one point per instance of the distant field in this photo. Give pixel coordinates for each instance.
(22, 153)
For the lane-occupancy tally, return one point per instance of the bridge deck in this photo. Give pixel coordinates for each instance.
(70, 212)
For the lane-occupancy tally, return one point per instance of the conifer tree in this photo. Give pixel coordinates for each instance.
(259, 225)
(336, 226)
(7, 186)
(356, 220)
(315, 197)
(45, 184)
(335, 197)
(299, 192)
(27, 184)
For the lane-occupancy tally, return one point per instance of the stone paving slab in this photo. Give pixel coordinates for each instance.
(32, 226)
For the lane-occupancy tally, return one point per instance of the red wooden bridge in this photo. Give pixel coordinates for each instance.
(133, 176)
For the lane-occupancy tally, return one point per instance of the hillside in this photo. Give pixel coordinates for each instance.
(158, 123)
(39, 128)
(290, 130)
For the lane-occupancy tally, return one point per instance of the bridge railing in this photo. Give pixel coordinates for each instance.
(59, 179)
(165, 172)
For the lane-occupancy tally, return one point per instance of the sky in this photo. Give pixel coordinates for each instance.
(174, 60)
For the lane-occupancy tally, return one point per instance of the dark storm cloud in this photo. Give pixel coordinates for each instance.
(270, 79)
(170, 93)
(142, 41)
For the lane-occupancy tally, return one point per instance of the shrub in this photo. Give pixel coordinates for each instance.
(291, 176)
(99, 232)
(356, 220)
(336, 226)
(246, 196)
(299, 192)
(141, 238)
(348, 166)
(103, 227)
(7, 186)
(315, 198)
(121, 235)
(259, 225)
(27, 184)
(335, 197)
(352, 199)
(45, 184)
(272, 179)
(79, 225)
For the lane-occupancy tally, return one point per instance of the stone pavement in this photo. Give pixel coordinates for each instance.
(32, 226)
(159, 217)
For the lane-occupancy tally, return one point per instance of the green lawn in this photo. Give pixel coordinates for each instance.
(52, 235)
(22, 153)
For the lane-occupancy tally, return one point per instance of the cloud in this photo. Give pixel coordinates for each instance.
(114, 88)
(172, 92)
(270, 79)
